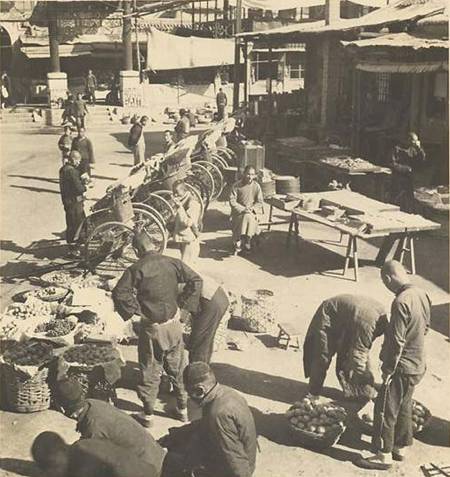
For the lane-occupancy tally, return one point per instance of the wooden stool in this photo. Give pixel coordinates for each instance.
(288, 332)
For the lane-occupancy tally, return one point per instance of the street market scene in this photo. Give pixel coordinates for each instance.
(224, 238)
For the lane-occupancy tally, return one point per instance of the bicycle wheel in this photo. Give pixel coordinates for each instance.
(146, 221)
(205, 176)
(196, 195)
(163, 206)
(217, 178)
(108, 247)
(200, 187)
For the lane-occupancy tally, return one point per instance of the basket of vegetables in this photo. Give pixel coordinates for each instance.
(421, 417)
(97, 367)
(316, 424)
(58, 278)
(49, 294)
(25, 367)
(57, 330)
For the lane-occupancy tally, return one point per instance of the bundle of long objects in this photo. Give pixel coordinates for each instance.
(67, 308)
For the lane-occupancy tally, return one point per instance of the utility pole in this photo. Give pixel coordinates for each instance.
(55, 64)
(237, 55)
(138, 51)
(127, 29)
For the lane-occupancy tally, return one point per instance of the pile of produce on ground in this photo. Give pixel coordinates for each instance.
(317, 421)
(57, 327)
(51, 293)
(30, 353)
(90, 354)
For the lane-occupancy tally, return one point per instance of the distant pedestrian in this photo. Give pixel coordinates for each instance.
(80, 111)
(221, 101)
(65, 143)
(136, 140)
(83, 145)
(91, 86)
(72, 195)
(183, 126)
(68, 115)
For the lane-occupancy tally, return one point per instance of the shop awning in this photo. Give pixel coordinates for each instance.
(398, 67)
(398, 40)
(64, 51)
(171, 52)
(399, 11)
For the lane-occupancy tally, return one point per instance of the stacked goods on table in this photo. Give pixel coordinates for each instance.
(421, 416)
(350, 164)
(97, 367)
(25, 376)
(258, 311)
(267, 182)
(316, 422)
(287, 184)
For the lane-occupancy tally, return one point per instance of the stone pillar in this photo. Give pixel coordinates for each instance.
(131, 89)
(57, 93)
(127, 29)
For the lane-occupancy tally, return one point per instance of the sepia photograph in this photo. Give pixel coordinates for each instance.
(224, 238)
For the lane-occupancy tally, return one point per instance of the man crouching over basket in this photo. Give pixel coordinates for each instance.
(149, 288)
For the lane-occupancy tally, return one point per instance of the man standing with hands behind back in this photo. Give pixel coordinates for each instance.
(149, 288)
(403, 366)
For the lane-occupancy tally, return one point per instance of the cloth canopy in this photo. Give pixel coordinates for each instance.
(398, 40)
(171, 52)
(401, 67)
(276, 5)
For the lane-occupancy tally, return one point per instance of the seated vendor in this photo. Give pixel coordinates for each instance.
(246, 201)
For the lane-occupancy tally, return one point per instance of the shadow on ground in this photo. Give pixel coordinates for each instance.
(268, 386)
(440, 319)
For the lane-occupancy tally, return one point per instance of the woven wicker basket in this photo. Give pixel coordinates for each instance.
(313, 440)
(93, 382)
(24, 393)
(258, 311)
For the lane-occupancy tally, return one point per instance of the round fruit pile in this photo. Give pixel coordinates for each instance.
(420, 416)
(59, 278)
(57, 327)
(30, 309)
(90, 354)
(50, 293)
(317, 417)
(31, 353)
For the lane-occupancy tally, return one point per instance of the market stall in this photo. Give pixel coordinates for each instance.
(357, 217)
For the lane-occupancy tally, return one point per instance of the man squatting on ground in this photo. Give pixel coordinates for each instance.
(345, 325)
(100, 420)
(246, 202)
(149, 288)
(403, 367)
(223, 442)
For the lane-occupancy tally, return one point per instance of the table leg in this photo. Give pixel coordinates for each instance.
(401, 249)
(355, 257)
(348, 254)
(291, 227)
(270, 217)
(296, 228)
(412, 253)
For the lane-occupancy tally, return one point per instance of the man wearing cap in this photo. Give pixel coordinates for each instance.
(100, 420)
(223, 442)
(86, 458)
(149, 288)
